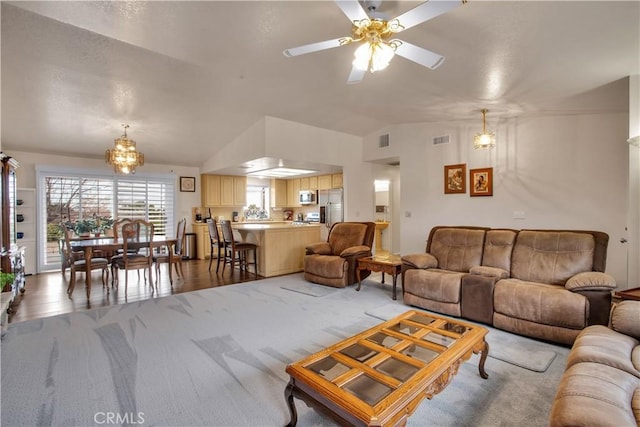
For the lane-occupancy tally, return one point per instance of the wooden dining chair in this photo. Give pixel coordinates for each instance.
(137, 253)
(175, 259)
(216, 242)
(237, 251)
(77, 263)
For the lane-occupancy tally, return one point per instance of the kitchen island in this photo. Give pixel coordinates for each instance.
(281, 246)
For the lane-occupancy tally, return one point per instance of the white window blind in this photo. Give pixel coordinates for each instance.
(69, 196)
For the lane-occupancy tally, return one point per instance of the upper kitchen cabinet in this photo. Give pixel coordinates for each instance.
(278, 197)
(324, 182)
(210, 186)
(313, 183)
(293, 193)
(304, 183)
(224, 190)
(336, 180)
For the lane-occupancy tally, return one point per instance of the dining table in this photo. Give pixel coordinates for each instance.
(111, 245)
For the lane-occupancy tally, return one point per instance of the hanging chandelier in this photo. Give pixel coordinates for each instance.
(484, 139)
(124, 156)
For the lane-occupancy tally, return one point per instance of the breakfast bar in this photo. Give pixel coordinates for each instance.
(281, 246)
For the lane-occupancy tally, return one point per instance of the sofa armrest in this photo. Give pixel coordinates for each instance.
(356, 250)
(320, 248)
(481, 270)
(591, 281)
(625, 318)
(420, 261)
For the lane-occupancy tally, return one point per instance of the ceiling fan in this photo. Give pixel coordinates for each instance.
(374, 31)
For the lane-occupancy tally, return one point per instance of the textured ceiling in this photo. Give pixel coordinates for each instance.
(191, 76)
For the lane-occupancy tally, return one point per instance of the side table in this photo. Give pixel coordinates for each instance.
(390, 264)
(632, 294)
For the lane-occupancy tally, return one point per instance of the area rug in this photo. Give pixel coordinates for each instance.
(310, 289)
(217, 357)
(519, 351)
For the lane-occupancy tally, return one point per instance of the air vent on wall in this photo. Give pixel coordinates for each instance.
(383, 141)
(441, 140)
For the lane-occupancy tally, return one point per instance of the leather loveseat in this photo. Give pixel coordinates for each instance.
(601, 383)
(547, 284)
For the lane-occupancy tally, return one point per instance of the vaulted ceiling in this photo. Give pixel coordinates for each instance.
(189, 77)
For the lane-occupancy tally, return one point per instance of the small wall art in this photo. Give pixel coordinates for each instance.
(188, 183)
(481, 182)
(455, 179)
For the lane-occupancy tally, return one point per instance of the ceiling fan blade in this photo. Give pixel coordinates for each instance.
(426, 11)
(419, 55)
(353, 10)
(356, 75)
(314, 47)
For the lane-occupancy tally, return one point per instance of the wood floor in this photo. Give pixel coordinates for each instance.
(46, 293)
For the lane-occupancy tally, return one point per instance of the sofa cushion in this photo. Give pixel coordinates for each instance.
(457, 249)
(600, 344)
(625, 318)
(498, 246)
(551, 256)
(592, 394)
(435, 284)
(346, 235)
(329, 266)
(591, 281)
(540, 303)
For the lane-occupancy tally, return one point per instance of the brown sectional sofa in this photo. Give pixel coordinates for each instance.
(547, 284)
(601, 383)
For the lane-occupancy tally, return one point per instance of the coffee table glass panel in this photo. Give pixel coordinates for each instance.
(380, 375)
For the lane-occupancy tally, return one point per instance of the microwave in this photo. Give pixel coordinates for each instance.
(307, 197)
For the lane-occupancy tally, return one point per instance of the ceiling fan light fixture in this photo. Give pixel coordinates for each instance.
(484, 139)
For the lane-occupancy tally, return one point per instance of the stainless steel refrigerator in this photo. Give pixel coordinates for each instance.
(330, 203)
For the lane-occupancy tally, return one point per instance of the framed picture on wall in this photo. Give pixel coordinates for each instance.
(481, 182)
(188, 183)
(455, 179)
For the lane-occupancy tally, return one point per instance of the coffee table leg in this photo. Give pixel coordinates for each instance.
(288, 395)
(483, 356)
(395, 278)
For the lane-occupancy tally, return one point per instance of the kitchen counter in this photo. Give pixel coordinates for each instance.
(281, 245)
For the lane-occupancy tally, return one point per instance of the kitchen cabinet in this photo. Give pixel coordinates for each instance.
(223, 190)
(313, 183)
(203, 242)
(293, 193)
(324, 182)
(304, 183)
(210, 186)
(336, 180)
(239, 191)
(278, 188)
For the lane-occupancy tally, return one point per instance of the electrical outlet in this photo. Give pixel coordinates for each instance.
(519, 215)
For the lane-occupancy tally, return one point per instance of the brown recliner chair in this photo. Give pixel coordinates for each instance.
(334, 262)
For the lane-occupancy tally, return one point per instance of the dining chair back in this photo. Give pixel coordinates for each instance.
(173, 255)
(217, 242)
(137, 254)
(237, 251)
(76, 263)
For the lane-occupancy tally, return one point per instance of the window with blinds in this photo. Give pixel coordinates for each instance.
(72, 196)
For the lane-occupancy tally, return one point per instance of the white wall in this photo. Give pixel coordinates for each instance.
(563, 172)
(26, 175)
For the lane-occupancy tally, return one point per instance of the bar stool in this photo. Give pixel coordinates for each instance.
(215, 240)
(237, 250)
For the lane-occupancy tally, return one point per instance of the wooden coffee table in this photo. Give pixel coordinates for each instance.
(629, 294)
(379, 376)
(390, 264)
